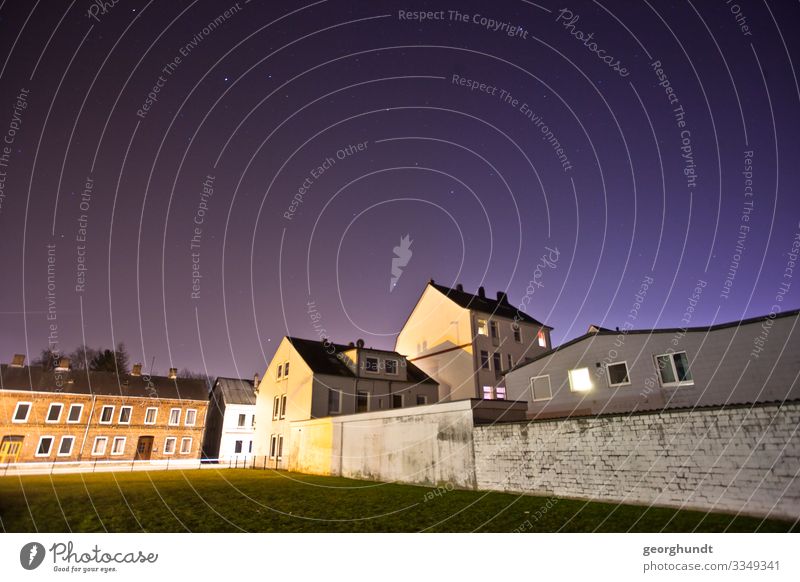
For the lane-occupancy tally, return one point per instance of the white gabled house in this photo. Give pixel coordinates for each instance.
(231, 424)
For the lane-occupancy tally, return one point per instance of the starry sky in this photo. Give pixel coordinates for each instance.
(198, 179)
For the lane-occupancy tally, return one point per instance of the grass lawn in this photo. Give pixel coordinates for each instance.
(251, 500)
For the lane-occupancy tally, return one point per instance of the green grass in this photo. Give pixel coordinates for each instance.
(252, 500)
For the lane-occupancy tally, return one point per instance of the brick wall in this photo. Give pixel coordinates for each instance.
(735, 459)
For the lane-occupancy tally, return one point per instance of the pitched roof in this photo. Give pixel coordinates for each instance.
(499, 307)
(671, 330)
(236, 390)
(322, 359)
(35, 379)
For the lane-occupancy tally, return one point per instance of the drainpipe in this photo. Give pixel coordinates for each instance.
(86, 432)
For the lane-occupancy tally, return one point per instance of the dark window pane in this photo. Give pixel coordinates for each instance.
(618, 373)
(682, 366)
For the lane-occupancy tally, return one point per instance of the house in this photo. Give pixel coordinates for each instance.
(231, 422)
(309, 379)
(68, 415)
(466, 342)
(604, 370)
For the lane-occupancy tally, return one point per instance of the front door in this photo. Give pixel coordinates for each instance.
(10, 448)
(144, 448)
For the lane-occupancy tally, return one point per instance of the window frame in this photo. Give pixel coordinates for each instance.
(95, 452)
(184, 440)
(285, 369)
(27, 414)
(130, 414)
(541, 339)
(402, 400)
(396, 366)
(79, 406)
(627, 374)
(482, 326)
(424, 399)
(177, 422)
(377, 365)
(497, 361)
(494, 330)
(276, 407)
(516, 331)
(677, 383)
(365, 394)
(338, 409)
(572, 384)
(283, 407)
(65, 437)
(490, 391)
(237, 445)
(531, 383)
(497, 390)
(273, 445)
(483, 360)
(60, 406)
(279, 456)
(186, 417)
(174, 445)
(241, 420)
(279, 372)
(114, 442)
(110, 417)
(49, 449)
(155, 415)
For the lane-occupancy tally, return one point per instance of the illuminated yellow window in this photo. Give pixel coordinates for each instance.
(579, 380)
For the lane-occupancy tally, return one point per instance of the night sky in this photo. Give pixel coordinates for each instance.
(203, 178)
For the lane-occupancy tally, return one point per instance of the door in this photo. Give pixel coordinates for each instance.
(144, 448)
(10, 448)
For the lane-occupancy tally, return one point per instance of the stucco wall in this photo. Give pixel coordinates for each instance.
(734, 459)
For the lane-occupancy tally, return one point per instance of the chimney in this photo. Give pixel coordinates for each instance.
(431, 281)
(481, 292)
(137, 370)
(459, 287)
(63, 364)
(351, 345)
(502, 297)
(18, 361)
(359, 343)
(173, 373)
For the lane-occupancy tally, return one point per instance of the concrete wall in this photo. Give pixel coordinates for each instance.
(734, 459)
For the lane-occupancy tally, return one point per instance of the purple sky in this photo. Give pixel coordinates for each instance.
(261, 99)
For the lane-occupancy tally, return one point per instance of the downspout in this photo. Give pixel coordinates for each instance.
(88, 424)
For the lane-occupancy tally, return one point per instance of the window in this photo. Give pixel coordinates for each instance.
(500, 393)
(273, 446)
(421, 399)
(362, 402)
(237, 447)
(397, 401)
(253, 421)
(280, 371)
(75, 412)
(283, 406)
(150, 415)
(22, 411)
(517, 332)
(280, 446)
(125, 414)
(44, 446)
(488, 393)
(191, 417)
(286, 370)
(276, 407)
(186, 445)
(250, 447)
(106, 415)
(174, 416)
(334, 401)
(118, 446)
(169, 445)
(541, 339)
(674, 369)
(54, 412)
(540, 388)
(497, 361)
(242, 420)
(493, 332)
(482, 328)
(484, 359)
(99, 447)
(391, 367)
(510, 361)
(371, 364)
(65, 447)
(579, 380)
(618, 374)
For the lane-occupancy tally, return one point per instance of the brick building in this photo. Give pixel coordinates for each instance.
(68, 415)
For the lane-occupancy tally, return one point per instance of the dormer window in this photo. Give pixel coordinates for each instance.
(391, 367)
(541, 339)
(371, 364)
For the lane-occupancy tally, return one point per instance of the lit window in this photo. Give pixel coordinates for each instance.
(579, 380)
(54, 412)
(242, 420)
(75, 412)
(362, 401)
(99, 447)
(174, 416)
(125, 414)
(493, 330)
(674, 369)
(421, 399)
(22, 411)
(280, 371)
(397, 401)
(106, 415)
(334, 401)
(482, 327)
(65, 448)
(191, 417)
(488, 393)
(517, 332)
(540, 388)
(150, 415)
(45, 444)
(391, 366)
(276, 407)
(371, 364)
(541, 339)
(618, 374)
(118, 446)
(497, 361)
(169, 445)
(500, 393)
(186, 445)
(484, 359)
(283, 406)
(237, 447)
